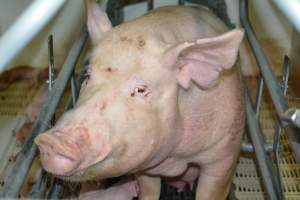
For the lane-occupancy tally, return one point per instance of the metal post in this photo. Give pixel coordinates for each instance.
(270, 80)
(25, 28)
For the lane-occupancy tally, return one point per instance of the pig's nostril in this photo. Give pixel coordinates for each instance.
(54, 156)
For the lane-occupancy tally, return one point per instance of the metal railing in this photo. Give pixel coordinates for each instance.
(25, 28)
(269, 169)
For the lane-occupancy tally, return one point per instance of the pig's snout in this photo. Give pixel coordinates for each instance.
(56, 158)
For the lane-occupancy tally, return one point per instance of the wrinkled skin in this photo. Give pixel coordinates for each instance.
(162, 95)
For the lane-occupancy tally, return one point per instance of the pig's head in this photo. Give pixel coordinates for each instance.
(127, 117)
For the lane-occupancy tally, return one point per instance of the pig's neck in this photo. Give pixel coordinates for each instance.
(202, 112)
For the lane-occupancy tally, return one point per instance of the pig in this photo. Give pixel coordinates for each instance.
(161, 96)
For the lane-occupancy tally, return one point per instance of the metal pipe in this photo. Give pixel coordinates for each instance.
(263, 161)
(259, 94)
(27, 154)
(38, 190)
(50, 63)
(270, 80)
(248, 148)
(25, 28)
(291, 10)
(55, 191)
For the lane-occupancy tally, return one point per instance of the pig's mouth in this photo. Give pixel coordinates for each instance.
(55, 157)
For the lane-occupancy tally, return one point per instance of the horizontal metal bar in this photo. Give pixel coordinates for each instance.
(263, 161)
(27, 154)
(248, 148)
(270, 80)
(25, 28)
(291, 9)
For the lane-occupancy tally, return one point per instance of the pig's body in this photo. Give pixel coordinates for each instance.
(155, 105)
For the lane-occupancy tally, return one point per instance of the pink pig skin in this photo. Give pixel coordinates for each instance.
(120, 191)
(162, 95)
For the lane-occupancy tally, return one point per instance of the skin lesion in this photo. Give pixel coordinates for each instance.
(139, 40)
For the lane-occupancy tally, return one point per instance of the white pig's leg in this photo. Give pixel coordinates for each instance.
(215, 181)
(149, 187)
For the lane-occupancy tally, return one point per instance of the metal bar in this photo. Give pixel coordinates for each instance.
(25, 28)
(279, 101)
(291, 9)
(55, 191)
(50, 63)
(248, 148)
(73, 90)
(27, 154)
(277, 134)
(263, 161)
(259, 94)
(38, 190)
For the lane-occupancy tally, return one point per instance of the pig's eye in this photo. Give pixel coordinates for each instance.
(142, 91)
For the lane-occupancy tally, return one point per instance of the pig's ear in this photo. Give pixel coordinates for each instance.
(202, 61)
(97, 20)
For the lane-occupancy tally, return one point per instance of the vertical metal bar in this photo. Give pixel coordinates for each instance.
(73, 90)
(278, 99)
(276, 143)
(55, 190)
(39, 188)
(286, 73)
(263, 161)
(259, 94)
(50, 62)
(28, 152)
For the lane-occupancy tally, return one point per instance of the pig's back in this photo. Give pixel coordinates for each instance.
(175, 24)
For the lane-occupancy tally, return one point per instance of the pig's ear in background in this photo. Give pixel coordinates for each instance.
(97, 20)
(202, 61)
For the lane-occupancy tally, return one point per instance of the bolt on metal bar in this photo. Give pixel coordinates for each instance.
(28, 152)
(278, 98)
(263, 161)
